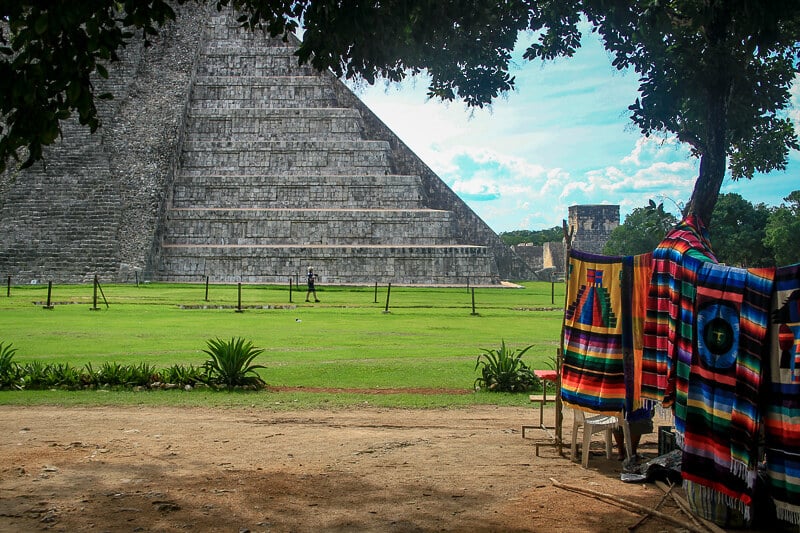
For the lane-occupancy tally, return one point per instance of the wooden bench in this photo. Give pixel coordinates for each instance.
(542, 400)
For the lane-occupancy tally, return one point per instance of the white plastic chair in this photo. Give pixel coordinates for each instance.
(591, 424)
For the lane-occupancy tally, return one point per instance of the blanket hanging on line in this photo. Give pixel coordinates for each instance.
(636, 273)
(670, 305)
(717, 383)
(782, 394)
(604, 324)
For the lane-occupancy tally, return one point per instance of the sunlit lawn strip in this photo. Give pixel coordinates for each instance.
(429, 339)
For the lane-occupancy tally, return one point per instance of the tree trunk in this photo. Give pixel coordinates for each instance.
(713, 160)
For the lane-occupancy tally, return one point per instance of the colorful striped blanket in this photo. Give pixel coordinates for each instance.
(782, 395)
(592, 377)
(604, 327)
(670, 307)
(636, 273)
(717, 384)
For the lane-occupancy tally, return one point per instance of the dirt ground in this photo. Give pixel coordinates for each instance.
(253, 469)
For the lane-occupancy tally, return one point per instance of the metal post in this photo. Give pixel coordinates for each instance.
(552, 292)
(94, 295)
(49, 292)
(290, 290)
(8, 287)
(388, 292)
(206, 288)
(136, 275)
(376, 292)
(473, 301)
(239, 305)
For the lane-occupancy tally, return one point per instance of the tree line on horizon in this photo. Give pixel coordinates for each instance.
(741, 233)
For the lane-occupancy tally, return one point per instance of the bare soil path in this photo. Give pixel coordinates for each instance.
(234, 470)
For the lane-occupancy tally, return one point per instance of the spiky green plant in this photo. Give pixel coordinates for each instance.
(90, 377)
(141, 375)
(113, 374)
(11, 374)
(65, 376)
(231, 363)
(35, 375)
(504, 370)
(183, 375)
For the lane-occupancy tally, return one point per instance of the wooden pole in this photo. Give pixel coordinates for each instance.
(627, 504)
(388, 292)
(49, 292)
(94, 295)
(699, 521)
(568, 234)
(101, 291)
(643, 519)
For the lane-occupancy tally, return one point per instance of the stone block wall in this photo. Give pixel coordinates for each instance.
(92, 206)
(532, 255)
(220, 156)
(592, 226)
(554, 256)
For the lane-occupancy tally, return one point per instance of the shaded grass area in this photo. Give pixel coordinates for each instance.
(265, 400)
(429, 339)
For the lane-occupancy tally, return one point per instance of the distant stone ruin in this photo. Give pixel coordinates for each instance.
(591, 227)
(221, 157)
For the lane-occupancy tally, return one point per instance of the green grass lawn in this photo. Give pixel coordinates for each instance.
(428, 339)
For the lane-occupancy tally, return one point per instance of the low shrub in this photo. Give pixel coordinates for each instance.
(183, 375)
(504, 370)
(231, 364)
(11, 374)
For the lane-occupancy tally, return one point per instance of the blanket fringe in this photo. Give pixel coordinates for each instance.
(711, 499)
(741, 470)
(787, 512)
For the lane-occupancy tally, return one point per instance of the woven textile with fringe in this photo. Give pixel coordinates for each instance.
(593, 376)
(670, 307)
(782, 396)
(717, 387)
(636, 273)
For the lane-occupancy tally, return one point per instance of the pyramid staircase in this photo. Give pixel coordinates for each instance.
(276, 175)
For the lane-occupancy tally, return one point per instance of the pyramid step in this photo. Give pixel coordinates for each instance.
(275, 91)
(259, 63)
(302, 191)
(290, 157)
(249, 125)
(257, 46)
(309, 226)
(354, 265)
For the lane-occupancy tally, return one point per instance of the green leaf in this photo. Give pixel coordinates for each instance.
(40, 26)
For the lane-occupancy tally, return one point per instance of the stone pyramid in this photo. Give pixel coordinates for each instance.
(222, 157)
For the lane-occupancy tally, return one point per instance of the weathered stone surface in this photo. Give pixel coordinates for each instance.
(221, 157)
(592, 225)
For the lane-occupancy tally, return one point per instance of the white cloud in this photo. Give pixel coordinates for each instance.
(562, 138)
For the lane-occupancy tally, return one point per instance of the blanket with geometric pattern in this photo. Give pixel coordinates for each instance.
(717, 386)
(782, 396)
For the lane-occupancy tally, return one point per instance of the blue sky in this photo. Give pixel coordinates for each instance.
(562, 138)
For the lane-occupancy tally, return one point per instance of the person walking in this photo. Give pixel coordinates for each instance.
(312, 279)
